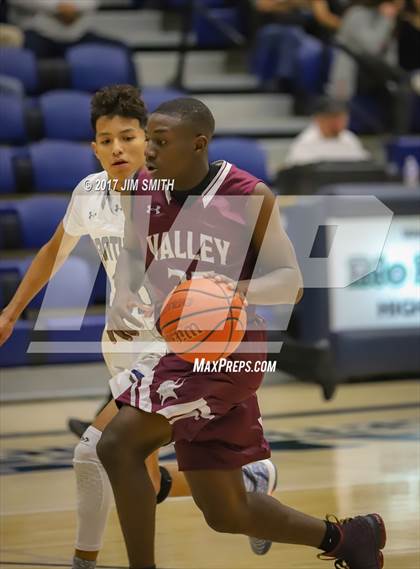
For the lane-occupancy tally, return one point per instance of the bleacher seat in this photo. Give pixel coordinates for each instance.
(37, 218)
(399, 148)
(246, 154)
(70, 287)
(66, 115)
(154, 96)
(14, 353)
(12, 112)
(22, 64)
(11, 86)
(10, 234)
(95, 65)
(7, 173)
(11, 273)
(60, 166)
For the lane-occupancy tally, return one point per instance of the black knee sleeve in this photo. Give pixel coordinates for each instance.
(165, 485)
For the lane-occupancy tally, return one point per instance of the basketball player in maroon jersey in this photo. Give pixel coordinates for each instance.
(213, 418)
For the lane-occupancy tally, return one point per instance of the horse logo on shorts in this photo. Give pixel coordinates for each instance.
(167, 389)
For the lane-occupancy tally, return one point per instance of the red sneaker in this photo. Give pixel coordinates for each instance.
(362, 539)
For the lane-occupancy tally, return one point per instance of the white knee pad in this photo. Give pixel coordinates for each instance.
(94, 492)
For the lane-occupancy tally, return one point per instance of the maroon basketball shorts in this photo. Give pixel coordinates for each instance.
(215, 417)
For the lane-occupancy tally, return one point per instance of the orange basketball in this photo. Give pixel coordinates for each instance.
(203, 319)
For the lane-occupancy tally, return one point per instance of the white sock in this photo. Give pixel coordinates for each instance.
(94, 492)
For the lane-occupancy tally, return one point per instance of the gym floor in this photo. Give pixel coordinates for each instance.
(356, 454)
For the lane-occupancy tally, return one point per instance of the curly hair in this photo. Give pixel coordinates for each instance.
(122, 100)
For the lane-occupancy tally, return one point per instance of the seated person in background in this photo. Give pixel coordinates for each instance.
(282, 28)
(327, 137)
(52, 25)
(316, 17)
(279, 33)
(367, 61)
(368, 29)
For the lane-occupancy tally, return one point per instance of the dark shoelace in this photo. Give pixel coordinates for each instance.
(338, 563)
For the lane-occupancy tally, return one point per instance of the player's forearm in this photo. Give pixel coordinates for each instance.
(282, 286)
(39, 273)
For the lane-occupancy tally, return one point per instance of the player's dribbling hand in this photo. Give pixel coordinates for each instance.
(121, 313)
(232, 285)
(6, 327)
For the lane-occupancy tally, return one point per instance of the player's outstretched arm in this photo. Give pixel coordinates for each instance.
(281, 282)
(45, 264)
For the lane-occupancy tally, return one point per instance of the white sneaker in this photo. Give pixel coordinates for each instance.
(260, 477)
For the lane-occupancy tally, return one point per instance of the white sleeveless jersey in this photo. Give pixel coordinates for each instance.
(98, 213)
(95, 210)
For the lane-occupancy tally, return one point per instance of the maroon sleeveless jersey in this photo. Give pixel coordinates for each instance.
(215, 418)
(209, 232)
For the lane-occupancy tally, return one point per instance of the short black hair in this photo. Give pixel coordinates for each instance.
(191, 110)
(122, 100)
(329, 106)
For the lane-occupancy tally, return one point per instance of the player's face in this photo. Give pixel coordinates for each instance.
(172, 148)
(119, 146)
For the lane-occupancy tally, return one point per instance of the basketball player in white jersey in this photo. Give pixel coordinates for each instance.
(118, 116)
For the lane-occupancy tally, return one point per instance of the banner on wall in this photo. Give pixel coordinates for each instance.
(389, 296)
